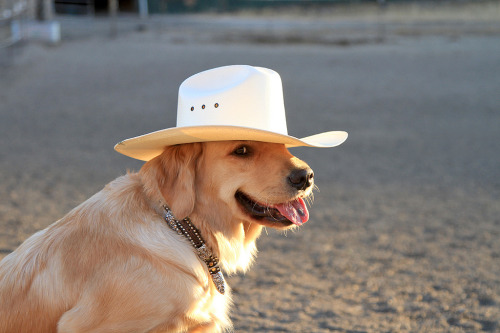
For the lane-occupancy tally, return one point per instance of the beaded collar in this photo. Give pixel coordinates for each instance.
(188, 230)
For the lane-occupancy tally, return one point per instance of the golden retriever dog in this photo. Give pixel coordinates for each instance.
(113, 264)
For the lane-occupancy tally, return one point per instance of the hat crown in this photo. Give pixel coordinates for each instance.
(236, 95)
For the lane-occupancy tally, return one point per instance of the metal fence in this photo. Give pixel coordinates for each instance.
(173, 6)
(156, 6)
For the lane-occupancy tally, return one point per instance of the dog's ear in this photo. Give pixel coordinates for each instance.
(172, 175)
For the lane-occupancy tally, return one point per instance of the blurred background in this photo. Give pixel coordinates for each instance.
(404, 230)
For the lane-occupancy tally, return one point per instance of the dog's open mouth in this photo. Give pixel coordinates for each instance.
(288, 213)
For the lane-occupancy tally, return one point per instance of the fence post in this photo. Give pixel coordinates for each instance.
(113, 11)
(48, 10)
(143, 9)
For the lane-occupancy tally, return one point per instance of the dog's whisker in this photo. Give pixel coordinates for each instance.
(310, 199)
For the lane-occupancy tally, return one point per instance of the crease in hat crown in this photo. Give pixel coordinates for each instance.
(236, 102)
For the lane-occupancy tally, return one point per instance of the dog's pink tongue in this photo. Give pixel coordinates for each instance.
(296, 211)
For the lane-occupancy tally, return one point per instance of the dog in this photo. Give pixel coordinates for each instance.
(113, 264)
(122, 261)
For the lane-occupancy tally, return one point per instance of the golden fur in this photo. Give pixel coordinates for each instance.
(112, 264)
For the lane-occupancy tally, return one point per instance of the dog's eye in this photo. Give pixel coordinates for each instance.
(241, 151)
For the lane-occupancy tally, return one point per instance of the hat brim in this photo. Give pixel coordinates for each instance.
(148, 146)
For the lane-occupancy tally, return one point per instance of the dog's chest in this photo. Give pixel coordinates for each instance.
(212, 307)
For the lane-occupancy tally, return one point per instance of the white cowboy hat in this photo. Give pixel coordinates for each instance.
(227, 103)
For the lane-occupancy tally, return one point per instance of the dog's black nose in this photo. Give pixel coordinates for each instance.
(301, 179)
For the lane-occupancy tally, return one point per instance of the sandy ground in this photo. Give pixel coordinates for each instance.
(404, 233)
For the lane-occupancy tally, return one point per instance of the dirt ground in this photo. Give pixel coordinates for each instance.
(404, 232)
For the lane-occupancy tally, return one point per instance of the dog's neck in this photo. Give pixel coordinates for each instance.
(233, 242)
(185, 228)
